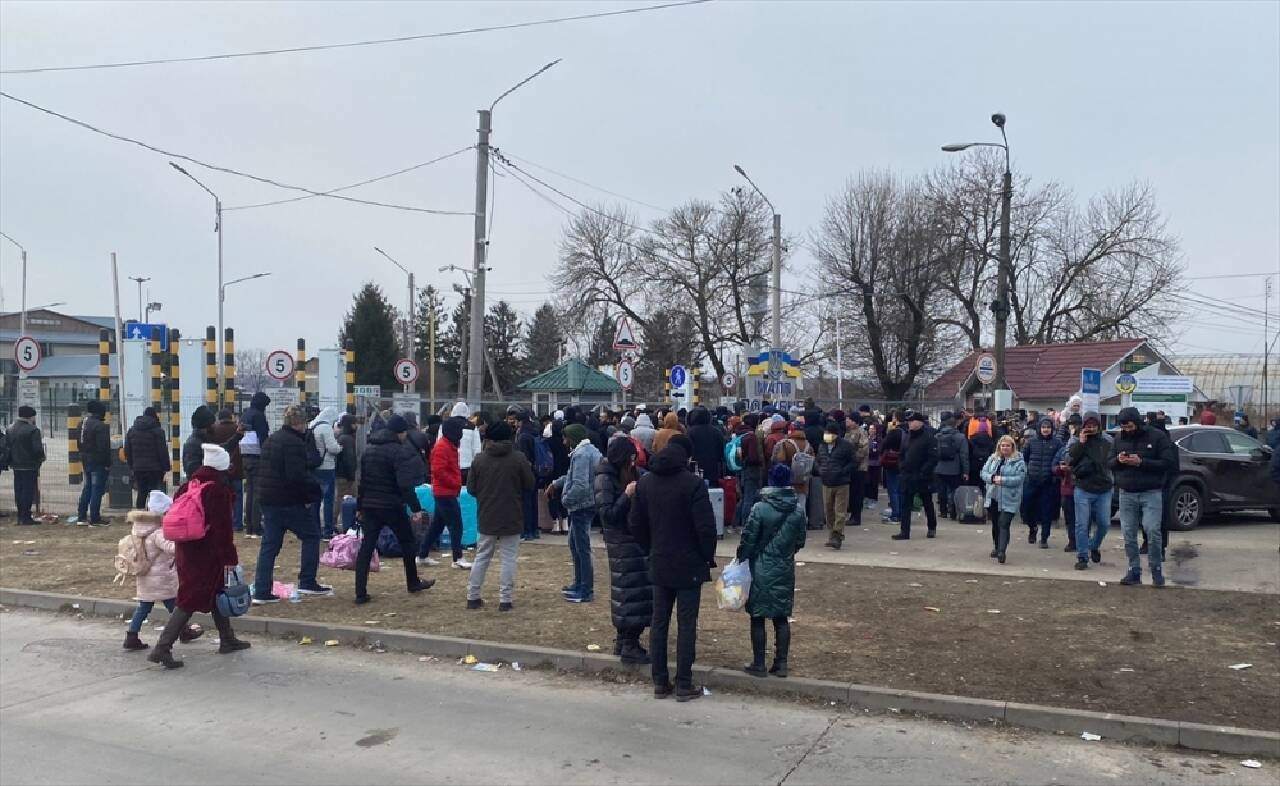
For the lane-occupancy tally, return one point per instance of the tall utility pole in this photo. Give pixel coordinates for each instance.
(431, 371)
(775, 364)
(140, 281)
(1004, 274)
(408, 319)
(475, 355)
(22, 324)
(217, 228)
(1266, 347)
(464, 357)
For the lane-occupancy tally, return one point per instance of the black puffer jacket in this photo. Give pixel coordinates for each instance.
(284, 473)
(145, 446)
(1159, 456)
(95, 441)
(920, 459)
(708, 445)
(389, 472)
(834, 463)
(1039, 451)
(631, 591)
(671, 515)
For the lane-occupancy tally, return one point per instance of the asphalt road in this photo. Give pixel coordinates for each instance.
(75, 708)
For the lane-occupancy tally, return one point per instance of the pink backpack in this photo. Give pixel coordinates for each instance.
(184, 521)
(343, 551)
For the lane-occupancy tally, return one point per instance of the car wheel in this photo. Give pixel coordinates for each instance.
(1188, 508)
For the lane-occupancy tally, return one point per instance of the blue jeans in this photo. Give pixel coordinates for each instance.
(143, 611)
(448, 514)
(1040, 501)
(277, 520)
(95, 485)
(748, 495)
(328, 482)
(580, 550)
(895, 492)
(237, 504)
(1142, 509)
(1091, 509)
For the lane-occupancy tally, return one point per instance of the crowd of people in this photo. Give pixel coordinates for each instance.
(645, 478)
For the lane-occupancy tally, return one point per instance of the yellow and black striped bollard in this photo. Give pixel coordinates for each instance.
(211, 366)
(351, 378)
(75, 470)
(175, 407)
(229, 362)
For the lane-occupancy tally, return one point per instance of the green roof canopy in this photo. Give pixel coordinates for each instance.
(573, 376)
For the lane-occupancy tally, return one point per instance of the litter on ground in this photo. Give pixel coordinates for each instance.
(593, 648)
(331, 643)
(932, 608)
(1252, 764)
(485, 667)
(1241, 666)
(1090, 737)
(304, 640)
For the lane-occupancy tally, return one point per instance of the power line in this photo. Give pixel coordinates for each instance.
(351, 44)
(387, 176)
(227, 170)
(1228, 275)
(502, 157)
(584, 183)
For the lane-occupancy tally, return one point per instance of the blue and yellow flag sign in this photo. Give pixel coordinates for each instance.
(759, 365)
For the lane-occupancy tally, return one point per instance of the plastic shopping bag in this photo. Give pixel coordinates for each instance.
(733, 586)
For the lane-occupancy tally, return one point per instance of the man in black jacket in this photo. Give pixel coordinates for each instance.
(286, 485)
(389, 473)
(95, 452)
(526, 443)
(146, 449)
(708, 446)
(918, 463)
(1141, 457)
(671, 517)
(834, 463)
(26, 454)
(256, 432)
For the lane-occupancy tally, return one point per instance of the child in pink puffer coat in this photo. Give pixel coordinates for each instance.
(159, 584)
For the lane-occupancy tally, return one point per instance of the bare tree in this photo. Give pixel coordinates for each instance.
(251, 370)
(599, 266)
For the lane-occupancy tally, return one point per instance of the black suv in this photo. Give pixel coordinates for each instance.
(1221, 470)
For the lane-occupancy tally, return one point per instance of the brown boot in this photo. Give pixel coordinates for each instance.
(228, 642)
(190, 634)
(133, 643)
(163, 652)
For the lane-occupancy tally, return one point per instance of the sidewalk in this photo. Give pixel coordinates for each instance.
(1236, 552)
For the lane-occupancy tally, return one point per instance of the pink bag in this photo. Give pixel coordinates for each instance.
(184, 521)
(343, 551)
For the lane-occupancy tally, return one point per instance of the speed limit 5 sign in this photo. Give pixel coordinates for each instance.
(26, 352)
(406, 371)
(280, 365)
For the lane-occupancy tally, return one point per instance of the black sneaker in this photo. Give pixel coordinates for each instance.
(933, 533)
(315, 588)
(993, 554)
(422, 585)
(1095, 555)
(1082, 565)
(900, 536)
(506, 606)
(1032, 538)
(478, 603)
(265, 599)
(1044, 544)
(663, 691)
(1070, 547)
(362, 599)
(688, 694)
(1132, 579)
(1157, 578)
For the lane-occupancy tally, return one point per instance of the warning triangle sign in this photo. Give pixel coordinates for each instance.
(623, 336)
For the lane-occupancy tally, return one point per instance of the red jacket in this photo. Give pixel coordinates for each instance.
(201, 563)
(446, 473)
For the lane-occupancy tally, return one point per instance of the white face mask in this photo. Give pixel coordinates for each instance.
(829, 438)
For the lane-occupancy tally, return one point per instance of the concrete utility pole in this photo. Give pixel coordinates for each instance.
(22, 321)
(140, 281)
(217, 228)
(776, 337)
(1004, 275)
(476, 353)
(408, 320)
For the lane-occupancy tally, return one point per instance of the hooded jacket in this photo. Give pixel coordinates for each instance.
(644, 432)
(813, 426)
(775, 531)
(630, 589)
(1090, 463)
(777, 433)
(671, 517)
(26, 450)
(285, 472)
(576, 488)
(389, 474)
(920, 458)
(95, 441)
(958, 464)
(446, 472)
(146, 448)
(861, 447)
(670, 427)
(468, 442)
(161, 581)
(1038, 451)
(1153, 446)
(326, 443)
(1012, 472)
(255, 423)
(225, 432)
(708, 445)
(498, 479)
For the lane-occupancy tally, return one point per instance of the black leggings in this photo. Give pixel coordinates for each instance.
(999, 528)
(781, 635)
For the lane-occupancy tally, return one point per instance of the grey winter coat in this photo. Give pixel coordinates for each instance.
(958, 463)
(577, 487)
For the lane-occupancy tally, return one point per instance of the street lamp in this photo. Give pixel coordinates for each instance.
(50, 305)
(774, 366)
(140, 280)
(408, 317)
(22, 327)
(999, 307)
(217, 228)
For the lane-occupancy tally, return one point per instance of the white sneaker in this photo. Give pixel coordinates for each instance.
(462, 563)
(426, 562)
(73, 520)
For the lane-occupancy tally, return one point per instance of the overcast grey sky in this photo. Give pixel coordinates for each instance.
(656, 106)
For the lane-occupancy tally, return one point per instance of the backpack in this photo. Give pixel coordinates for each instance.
(388, 543)
(131, 559)
(642, 458)
(947, 450)
(980, 426)
(184, 521)
(543, 462)
(983, 446)
(801, 465)
(733, 454)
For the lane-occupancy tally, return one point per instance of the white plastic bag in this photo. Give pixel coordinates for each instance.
(734, 586)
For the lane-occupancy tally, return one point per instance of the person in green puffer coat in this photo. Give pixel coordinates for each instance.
(775, 531)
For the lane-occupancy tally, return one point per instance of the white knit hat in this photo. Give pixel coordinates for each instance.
(158, 501)
(216, 457)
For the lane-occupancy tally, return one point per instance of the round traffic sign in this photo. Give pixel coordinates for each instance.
(1126, 384)
(26, 351)
(678, 376)
(626, 374)
(280, 365)
(729, 380)
(406, 371)
(985, 368)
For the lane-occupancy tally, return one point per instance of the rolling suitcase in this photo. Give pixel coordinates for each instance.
(969, 506)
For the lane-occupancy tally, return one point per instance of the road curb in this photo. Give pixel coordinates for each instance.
(1112, 727)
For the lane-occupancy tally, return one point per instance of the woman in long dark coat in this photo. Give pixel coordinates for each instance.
(202, 563)
(631, 591)
(775, 531)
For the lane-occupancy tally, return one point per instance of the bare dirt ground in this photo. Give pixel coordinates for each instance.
(1137, 651)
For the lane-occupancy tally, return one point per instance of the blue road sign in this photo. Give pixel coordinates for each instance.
(1090, 381)
(148, 331)
(678, 376)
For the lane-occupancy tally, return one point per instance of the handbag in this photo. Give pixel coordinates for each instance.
(233, 600)
(889, 459)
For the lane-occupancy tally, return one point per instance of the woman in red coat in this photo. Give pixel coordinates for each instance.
(202, 563)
